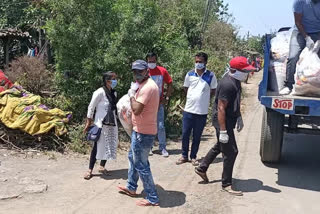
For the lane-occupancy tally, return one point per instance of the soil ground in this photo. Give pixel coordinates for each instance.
(53, 183)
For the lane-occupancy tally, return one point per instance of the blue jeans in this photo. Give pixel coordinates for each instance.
(139, 165)
(196, 124)
(161, 128)
(297, 44)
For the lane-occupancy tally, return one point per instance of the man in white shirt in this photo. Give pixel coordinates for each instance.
(199, 84)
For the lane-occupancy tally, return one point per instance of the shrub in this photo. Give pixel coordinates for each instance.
(31, 73)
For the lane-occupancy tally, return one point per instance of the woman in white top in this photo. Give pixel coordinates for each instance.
(102, 112)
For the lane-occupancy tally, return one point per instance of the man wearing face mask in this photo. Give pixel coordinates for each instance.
(161, 76)
(144, 98)
(305, 34)
(199, 85)
(225, 117)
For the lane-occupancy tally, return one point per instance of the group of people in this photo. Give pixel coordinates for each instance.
(147, 98)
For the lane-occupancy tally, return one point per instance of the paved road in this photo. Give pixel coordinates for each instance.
(293, 186)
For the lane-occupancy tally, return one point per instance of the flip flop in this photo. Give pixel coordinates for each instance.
(146, 203)
(103, 171)
(87, 176)
(124, 190)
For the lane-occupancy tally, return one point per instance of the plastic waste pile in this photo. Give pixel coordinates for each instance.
(279, 52)
(307, 76)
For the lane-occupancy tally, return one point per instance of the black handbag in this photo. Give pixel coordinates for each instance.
(93, 133)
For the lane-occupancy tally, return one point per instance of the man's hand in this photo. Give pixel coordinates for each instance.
(309, 43)
(164, 101)
(223, 137)
(240, 124)
(133, 89)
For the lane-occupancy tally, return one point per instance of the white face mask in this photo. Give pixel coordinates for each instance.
(199, 66)
(152, 65)
(241, 76)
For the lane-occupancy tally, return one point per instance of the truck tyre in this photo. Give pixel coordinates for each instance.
(271, 136)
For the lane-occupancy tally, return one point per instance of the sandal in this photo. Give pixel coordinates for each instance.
(229, 190)
(88, 175)
(182, 160)
(194, 162)
(124, 190)
(103, 171)
(146, 203)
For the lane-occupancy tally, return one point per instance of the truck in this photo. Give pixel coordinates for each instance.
(283, 114)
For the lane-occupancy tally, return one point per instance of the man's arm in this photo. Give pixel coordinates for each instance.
(136, 107)
(212, 93)
(169, 89)
(222, 105)
(298, 22)
(185, 90)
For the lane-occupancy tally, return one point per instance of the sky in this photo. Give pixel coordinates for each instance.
(261, 17)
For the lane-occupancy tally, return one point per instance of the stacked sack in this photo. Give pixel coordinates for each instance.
(279, 53)
(307, 77)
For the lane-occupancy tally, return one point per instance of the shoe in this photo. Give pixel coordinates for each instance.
(285, 91)
(164, 153)
(194, 162)
(151, 152)
(182, 160)
(229, 190)
(203, 175)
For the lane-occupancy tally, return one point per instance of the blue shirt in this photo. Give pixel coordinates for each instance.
(310, 14)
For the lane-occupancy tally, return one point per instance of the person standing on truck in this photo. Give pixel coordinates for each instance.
(161, 76)
(226, 116)
(199, 85)
(305, 33)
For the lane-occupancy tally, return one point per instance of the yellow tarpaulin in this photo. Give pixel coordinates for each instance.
(23, 110)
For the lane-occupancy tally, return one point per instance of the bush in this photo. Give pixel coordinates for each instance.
(31, 73)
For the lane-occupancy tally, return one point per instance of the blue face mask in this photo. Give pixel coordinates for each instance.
(114, 83)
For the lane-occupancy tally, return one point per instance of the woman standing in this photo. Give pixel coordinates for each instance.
(102, 112)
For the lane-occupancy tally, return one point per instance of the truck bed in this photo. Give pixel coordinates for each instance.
(276, 94)
(291, 105)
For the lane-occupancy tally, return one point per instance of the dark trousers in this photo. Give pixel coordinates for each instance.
(93, 157)
(196, 124)
(297, 44)
(229, 151)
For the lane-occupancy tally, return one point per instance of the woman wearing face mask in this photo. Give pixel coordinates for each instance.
(102, 112)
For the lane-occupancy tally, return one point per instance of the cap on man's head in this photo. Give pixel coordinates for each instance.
(241, 63)
(139, 65)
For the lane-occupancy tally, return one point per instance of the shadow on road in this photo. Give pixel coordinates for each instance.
(253, 185)
(114, 174)
(169, 199)
(300, 162)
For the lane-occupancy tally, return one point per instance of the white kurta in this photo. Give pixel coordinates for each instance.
(108, 141)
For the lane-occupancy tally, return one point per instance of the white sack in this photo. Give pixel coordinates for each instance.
(125, 113)
(280, 46)
(307, 76)
(277, 75)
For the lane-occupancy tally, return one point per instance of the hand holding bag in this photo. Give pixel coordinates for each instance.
(93, 133)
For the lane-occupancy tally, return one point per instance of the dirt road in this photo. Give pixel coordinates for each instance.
(42, 183)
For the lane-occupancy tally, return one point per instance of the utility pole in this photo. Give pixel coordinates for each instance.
(205, 21)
